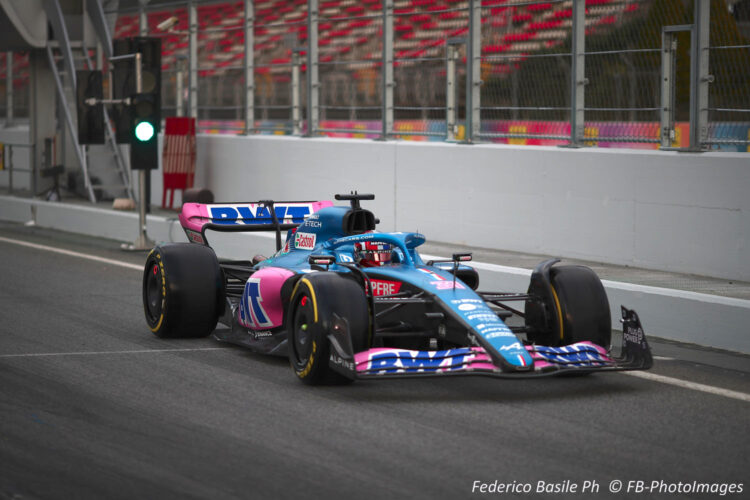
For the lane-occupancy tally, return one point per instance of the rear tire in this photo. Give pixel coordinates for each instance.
(578, 310)
(183, 290)
(321, 302)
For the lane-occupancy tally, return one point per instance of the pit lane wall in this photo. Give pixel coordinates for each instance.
(664, 210)
(697, 318)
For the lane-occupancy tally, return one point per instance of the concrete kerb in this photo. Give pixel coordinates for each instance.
(706, 320)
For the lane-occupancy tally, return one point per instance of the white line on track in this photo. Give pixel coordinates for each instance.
(644, 375)
(718, 391)
(95, 353)
(73, 254)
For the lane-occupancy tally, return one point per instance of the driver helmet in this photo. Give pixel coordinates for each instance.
(372, 253)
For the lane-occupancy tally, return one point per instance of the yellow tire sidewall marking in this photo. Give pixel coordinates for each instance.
(163, 293)
(559, 311)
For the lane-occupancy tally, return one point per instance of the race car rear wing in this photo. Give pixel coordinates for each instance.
(264, 215)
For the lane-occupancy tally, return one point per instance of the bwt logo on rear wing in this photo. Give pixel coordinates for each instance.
(196, 217)
(253, 213)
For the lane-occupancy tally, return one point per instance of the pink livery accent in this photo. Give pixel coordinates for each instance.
(381, 361)
(261, 307)
(195, 215)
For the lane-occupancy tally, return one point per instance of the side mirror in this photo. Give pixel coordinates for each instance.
(322, 260)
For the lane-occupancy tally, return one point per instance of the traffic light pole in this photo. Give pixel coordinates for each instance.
(142, 242)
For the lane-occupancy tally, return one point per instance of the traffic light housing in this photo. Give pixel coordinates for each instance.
(144, 128)
(144, 112)
(90, 118)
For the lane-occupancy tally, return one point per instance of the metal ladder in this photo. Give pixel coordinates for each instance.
(64, 85)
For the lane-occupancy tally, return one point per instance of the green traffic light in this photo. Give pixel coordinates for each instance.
(144, 131)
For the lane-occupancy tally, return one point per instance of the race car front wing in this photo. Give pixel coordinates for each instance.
(581, 357)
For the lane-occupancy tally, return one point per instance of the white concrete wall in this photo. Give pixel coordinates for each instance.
(671, 211)
(706, 320)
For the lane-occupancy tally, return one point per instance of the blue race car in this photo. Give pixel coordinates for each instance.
(345, 302)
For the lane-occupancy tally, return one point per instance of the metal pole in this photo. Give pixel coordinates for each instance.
(142, 22)
(388, 83)
(296, 119)
(668, 46)
(8, 89)
(193, 60)
(473, 69)
(179, 104)
(313, 85)
(577, 73)
(9, 163)
(451, 54)
(699, 76)
(249, 68)
(142, 242)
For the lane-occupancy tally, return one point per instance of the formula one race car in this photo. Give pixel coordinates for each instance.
(345, 302)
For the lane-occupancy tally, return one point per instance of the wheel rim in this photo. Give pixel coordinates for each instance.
(153, 292)
(302, 341)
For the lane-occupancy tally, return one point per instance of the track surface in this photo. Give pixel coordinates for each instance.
(92, 405)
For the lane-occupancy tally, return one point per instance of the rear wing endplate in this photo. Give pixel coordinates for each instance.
(264, 215)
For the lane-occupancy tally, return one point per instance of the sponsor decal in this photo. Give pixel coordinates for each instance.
(304, 241)
(419, 361)
(195, 237)
(497, 334)
(358, 237)
(634, 335)
(432, 273)
(467, 307)
(383, 287)
(253, 213)
(338, 360)
(252, 313)
(482, 316)
(515, 345)
(345, 258)
(262, 334)
(446, 285)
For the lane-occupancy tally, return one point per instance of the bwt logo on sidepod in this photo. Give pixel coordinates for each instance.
(249, 214)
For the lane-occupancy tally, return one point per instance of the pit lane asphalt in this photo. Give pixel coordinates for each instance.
(92, 405)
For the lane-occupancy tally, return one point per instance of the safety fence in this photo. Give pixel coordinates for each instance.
(608, 73)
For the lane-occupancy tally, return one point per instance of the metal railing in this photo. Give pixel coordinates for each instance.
(575, 72)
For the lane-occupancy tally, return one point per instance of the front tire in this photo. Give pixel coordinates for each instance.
(575, 310)
(183, 290)
(322, 302)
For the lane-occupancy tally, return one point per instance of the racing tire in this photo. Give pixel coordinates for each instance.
(578, 309)
(321, 302)
(183, 290)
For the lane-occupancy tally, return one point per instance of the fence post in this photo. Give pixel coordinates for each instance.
(577, 73)
(699, 75)
(388, 83)
(451, 54)
(9, 164)
(473, 70)
(313, 85)
(193, 60)
(296, 118)
(8, 88)
(249, 68)
(668, 46)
